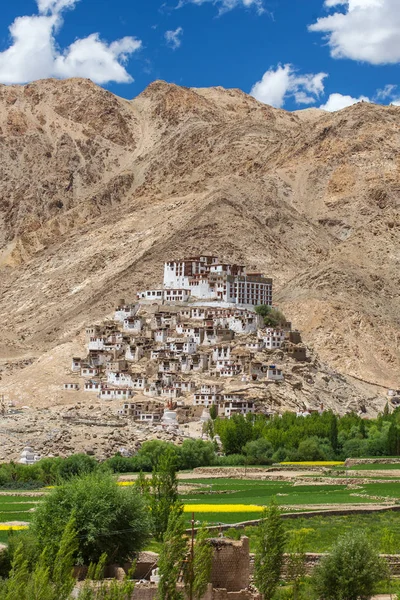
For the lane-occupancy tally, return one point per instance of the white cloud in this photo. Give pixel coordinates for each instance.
(226, 5)
(283, 82)
(396, 102)
(173, 38)
(365, 30)
(54, 6)
(387, 92)
(33, 53)
(338, 101)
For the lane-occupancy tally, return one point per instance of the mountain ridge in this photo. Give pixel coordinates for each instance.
(97, 191)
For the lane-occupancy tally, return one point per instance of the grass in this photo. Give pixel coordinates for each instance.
(323, 531)
(375, 467)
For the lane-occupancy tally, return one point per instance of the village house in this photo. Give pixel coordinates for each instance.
(71, 386)
(230, 370)
(125, 379)
(144, 411)
(239, 405)
(274, 374)
(76, 364)
(97, 358)
(97, 343)
(194, 362)
(295, 351)
(114, 393)
(272, 338)
(161, 335)
(183, 346)
(193, 332)
(134, 352)
(133, 324)
(93, 385)
(89, 371)
(208, 395)
(125, 311)
(116, 365)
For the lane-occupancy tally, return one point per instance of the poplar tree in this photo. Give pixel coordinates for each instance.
(172, 556)
(164, 493)
(270, 545)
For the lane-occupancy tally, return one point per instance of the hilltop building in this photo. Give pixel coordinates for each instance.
(206, 278)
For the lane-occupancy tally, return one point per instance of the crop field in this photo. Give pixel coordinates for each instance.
(236, 500)
(15, 508)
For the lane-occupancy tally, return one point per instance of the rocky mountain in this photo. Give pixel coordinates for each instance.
(97, 191)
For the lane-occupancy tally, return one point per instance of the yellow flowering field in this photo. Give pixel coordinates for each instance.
(222, 508)
(316, 463)
(5, 527)
(125, 483)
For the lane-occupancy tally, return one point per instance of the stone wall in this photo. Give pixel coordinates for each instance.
(231, 564)
(351, 462)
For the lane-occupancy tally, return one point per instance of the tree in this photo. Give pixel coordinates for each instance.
(296, 560)
(107, 518)
(259, 452)
(164, 493)
(172, 556)
(49, 579)
(333, 433)
(76, 465)
(213, 412)
(270, 545)
(352, 570)
(198, 571)
(272, 316)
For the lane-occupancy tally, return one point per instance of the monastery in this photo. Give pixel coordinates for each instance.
(194, 343)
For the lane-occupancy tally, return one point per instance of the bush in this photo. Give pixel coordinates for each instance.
(196, 453)
(352, 570)
(108, 518)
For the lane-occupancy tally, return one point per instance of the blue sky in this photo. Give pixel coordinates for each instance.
(289, 53)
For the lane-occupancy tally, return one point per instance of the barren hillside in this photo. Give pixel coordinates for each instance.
(96, 191)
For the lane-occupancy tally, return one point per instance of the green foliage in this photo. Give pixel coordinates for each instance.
(196, 453)
(198, 571)
(259, 452)
(296, 559)
(173, 554)
(49, 578)
(352, 570)
(107, 518)
(270, 545)
(164, 492)
(213, 412)
(272, 316)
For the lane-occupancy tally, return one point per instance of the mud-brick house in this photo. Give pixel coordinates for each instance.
(133, 324)
(192, 332)
(144, 411)
(169, 365)
(272, 338)
(76, 364)
(97, 358)
(295, 351)
(89, 371)
(125, 379)
(182, 346)
(93, 385)
(71, 386)
(125, 311)
(97, 343)
(115, 393)
(208, 395)
(134, 352)
(116, 366)
(232, 369)
(235, 403)
(274, 374)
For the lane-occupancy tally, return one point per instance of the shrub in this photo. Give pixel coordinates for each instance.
(352, 570)
(108, 518)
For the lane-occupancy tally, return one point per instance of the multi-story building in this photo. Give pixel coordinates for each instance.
(207, 278)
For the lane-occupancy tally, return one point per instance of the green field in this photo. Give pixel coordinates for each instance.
(376, 467)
